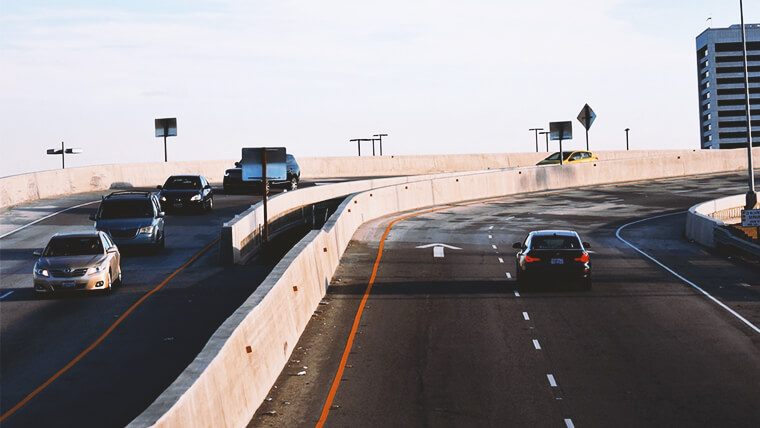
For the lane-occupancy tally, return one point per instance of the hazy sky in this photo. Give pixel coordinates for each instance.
(437, 76)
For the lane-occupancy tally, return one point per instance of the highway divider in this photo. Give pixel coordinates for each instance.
(231, 376)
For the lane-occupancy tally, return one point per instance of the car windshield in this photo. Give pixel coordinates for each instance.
(58, 247)
(182, 183)
(555, 156)
(555, 243)
(126, 208)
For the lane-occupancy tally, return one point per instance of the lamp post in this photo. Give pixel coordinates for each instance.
(359, 144)
(63, 151)
(546, 134)
(626, 137)
(380, 137)
(751, 199)
(536, 129)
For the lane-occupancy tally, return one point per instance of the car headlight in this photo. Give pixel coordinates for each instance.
(94, 269)
(42, 272)
(196, 198)
(147, 230)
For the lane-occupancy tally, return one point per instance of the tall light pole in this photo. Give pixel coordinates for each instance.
(626, 137)
(751, 199)
(380, 137)
(63, 151)
(546, 134)
(536, 129)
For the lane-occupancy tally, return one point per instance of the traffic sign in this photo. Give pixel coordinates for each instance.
(586, 117)
(750, 218)
(561, 130)
(252, 164)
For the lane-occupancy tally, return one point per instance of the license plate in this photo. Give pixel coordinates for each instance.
(558, 261)
(178, 205)
(68, 284)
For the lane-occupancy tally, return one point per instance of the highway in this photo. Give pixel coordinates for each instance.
(451, 341)
(109, 384)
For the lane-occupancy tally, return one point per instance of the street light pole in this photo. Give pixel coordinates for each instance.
(63, 152)
(546, 134)
(626, 137)
(751, 199)
(380, 137)
(536, 129)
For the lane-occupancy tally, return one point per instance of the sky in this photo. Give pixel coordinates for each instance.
(439, 77)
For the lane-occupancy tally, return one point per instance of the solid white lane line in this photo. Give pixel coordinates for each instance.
(536, 344)
(6, 294)
(569, 423)
(45, 218)
(696, 287)
(494, 246)
(501, 260)
(509, 275)
(552, 382)
(517, 293)
(525, 316)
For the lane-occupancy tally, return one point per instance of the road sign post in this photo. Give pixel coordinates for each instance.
(586, 118)
(166, 127)
(561, 131)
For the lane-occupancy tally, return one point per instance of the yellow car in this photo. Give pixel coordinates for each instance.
(569, 157)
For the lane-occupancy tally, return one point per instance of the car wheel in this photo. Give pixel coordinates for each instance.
(210, 204)
(119, 281)
(109, 284)
(293, 185)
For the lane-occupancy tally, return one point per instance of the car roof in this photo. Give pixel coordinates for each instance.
(77, 234)
(551, 232)
(185, 175)
(129, 194)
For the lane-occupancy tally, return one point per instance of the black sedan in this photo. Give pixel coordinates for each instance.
(553, 256)
(186, 192)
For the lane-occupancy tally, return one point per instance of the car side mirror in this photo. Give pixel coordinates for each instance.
(159, 187)
(37, 253)
(586, 245)
(517, 245)
(92, 216)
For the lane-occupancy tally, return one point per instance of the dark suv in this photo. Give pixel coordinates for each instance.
(233, 179)
(131, 219)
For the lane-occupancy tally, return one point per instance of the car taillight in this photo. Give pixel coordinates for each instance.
(583, 258)
(529, 259)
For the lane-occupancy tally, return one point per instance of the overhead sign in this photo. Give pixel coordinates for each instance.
(586, 116)
(166, 127)
(560, 130)
(750, 218)
(252, 163)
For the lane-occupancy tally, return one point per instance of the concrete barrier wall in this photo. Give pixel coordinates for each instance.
(226, 383)
(18, 189)
(700, 225)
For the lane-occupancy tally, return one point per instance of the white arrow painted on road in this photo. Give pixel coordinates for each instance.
(438, 248)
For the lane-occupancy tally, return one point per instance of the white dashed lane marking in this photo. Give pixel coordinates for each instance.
(525, 316)
(552, 382)
(536, 344)
(569, 423)
(517, 293)
(509, 275)
(501, 260)
(494, 246)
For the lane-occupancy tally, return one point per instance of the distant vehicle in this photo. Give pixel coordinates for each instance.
(77, 261)
(233, 179)
(569, 157)
(553, 255)
(131, 219)
(186, 192)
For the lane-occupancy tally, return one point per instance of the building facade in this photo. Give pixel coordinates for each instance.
(722, 102)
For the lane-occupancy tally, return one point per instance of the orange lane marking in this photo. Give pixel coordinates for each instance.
(107, 332)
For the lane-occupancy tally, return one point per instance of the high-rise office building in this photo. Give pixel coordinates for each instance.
(722, 102)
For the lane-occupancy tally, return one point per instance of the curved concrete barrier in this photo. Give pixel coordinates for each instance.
(231, 376)
(701, 223)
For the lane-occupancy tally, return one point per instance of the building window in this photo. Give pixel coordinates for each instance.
(708, 106)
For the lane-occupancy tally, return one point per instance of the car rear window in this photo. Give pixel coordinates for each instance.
(126, 208)
(58, 247)
(555, 243)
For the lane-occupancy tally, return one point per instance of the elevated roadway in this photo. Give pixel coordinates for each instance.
(451, 341)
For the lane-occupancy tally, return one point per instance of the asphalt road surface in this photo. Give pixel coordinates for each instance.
(451, 341)
(124, 373)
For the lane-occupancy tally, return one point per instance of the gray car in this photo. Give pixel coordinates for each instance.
(132, 219)
(77, 261)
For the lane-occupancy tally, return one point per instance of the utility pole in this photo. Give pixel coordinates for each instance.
(380, 137)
